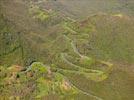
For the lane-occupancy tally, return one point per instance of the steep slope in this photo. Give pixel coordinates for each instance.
(77, 8)
(95, 54)
(28, 30)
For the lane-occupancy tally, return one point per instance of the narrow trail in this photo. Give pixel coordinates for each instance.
(88, 73)
(63, 57)
(61, 71)
(78, 67)
(75, 49)
(91, 94)
(69, 63)
(73, 46)
(69, 29)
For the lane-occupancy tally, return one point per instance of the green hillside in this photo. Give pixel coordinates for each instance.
(66, 50)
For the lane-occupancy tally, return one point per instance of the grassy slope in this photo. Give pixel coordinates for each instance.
(37, 82)
(113, 37)
(105, 41)
(77, 9)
